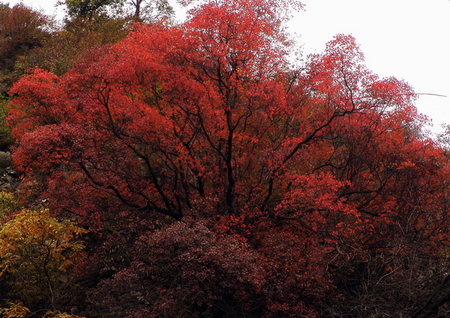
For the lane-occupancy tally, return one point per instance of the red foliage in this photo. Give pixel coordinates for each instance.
(214, 275)
(22, 29)
(310, 172)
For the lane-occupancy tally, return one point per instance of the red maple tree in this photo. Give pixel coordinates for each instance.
(307, 172)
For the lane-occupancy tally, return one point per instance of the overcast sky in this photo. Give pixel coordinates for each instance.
(408, 39)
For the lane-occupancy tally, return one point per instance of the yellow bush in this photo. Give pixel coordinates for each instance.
(38, 251)
(15, 310)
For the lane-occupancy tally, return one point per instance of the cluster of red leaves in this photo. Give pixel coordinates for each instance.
(22, 29)
(202, 272)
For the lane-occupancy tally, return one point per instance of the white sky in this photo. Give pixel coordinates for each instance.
(408, 39)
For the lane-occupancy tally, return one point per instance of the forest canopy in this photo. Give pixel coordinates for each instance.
(192, 170)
